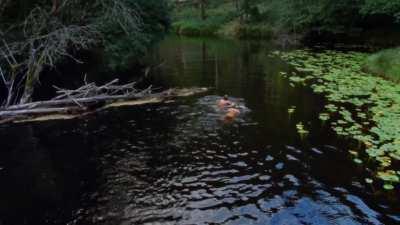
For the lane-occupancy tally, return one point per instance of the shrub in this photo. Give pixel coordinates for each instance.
(262, 31)
(385, 63)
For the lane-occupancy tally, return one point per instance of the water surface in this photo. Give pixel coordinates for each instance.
(180, 163)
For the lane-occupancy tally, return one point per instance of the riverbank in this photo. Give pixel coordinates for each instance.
(360, 106)
(234, 29)
(289, 23)
(385, 63)
(223, 19)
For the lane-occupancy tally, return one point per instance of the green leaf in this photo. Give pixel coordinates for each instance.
(388, 187)
(389, 175)
(358, 161)
(369, 180)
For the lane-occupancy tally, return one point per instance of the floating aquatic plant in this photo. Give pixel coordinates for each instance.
(284, 74)
(324, 117)
(358, 161)
(360, 105)
(354, 153)
(388, 187)
(331, 108)
(369, 180)
(389, 176)
(301, 130)
(291, 110)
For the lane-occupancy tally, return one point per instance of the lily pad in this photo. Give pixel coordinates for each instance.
(388, 187)
(360, 105)
(369, 180)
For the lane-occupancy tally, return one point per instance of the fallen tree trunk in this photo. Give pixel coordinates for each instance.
(70, 102)
(87, 94)
(68, 107)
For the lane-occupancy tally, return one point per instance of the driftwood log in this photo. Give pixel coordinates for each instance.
(90, 98)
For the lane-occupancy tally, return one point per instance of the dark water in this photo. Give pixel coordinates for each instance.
(180, 163)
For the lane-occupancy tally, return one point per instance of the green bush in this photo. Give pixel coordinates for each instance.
(122, 49)
(249, 31)
(297, 16)
(187, 20)
(385, 63)
(194, 28)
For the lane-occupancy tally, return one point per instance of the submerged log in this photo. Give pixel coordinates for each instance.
(31, 112)
(69, 102)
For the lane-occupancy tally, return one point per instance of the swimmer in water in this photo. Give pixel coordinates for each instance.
(231, 115)
(232, 110)
(224, 102)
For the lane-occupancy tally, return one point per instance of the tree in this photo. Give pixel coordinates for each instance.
(237, 5)
(250, 11)
(38, 34)
(203, 5)
(382, 7)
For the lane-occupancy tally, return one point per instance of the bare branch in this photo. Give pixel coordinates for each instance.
(44, 39)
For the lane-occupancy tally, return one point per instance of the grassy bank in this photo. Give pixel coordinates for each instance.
(187, 21)
(329, 21)
(385, 63)
(222, 19)
(360, 106)
(194, 28)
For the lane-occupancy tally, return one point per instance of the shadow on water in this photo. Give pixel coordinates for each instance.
(41, 174)
(179, 163)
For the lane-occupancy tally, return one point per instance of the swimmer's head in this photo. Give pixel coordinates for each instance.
(225, 97)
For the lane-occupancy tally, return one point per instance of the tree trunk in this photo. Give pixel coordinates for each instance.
(27, 95)
(10, 95)
(3, 5)
(203, 9)
(92, 104)
(28, 89)
(30, 82)
(56, 7)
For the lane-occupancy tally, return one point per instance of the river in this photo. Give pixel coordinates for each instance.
(180, 163)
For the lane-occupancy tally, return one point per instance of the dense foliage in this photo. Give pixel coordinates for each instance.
(332, 15)
(154, 20)
(38, 34)
(390, 8)
(295, 15)
(122, 36)
(385, 63)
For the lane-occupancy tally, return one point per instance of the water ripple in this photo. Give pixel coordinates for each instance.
(204, 172)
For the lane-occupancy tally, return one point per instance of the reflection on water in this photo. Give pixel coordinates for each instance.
(41, 175)
(179, 163)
